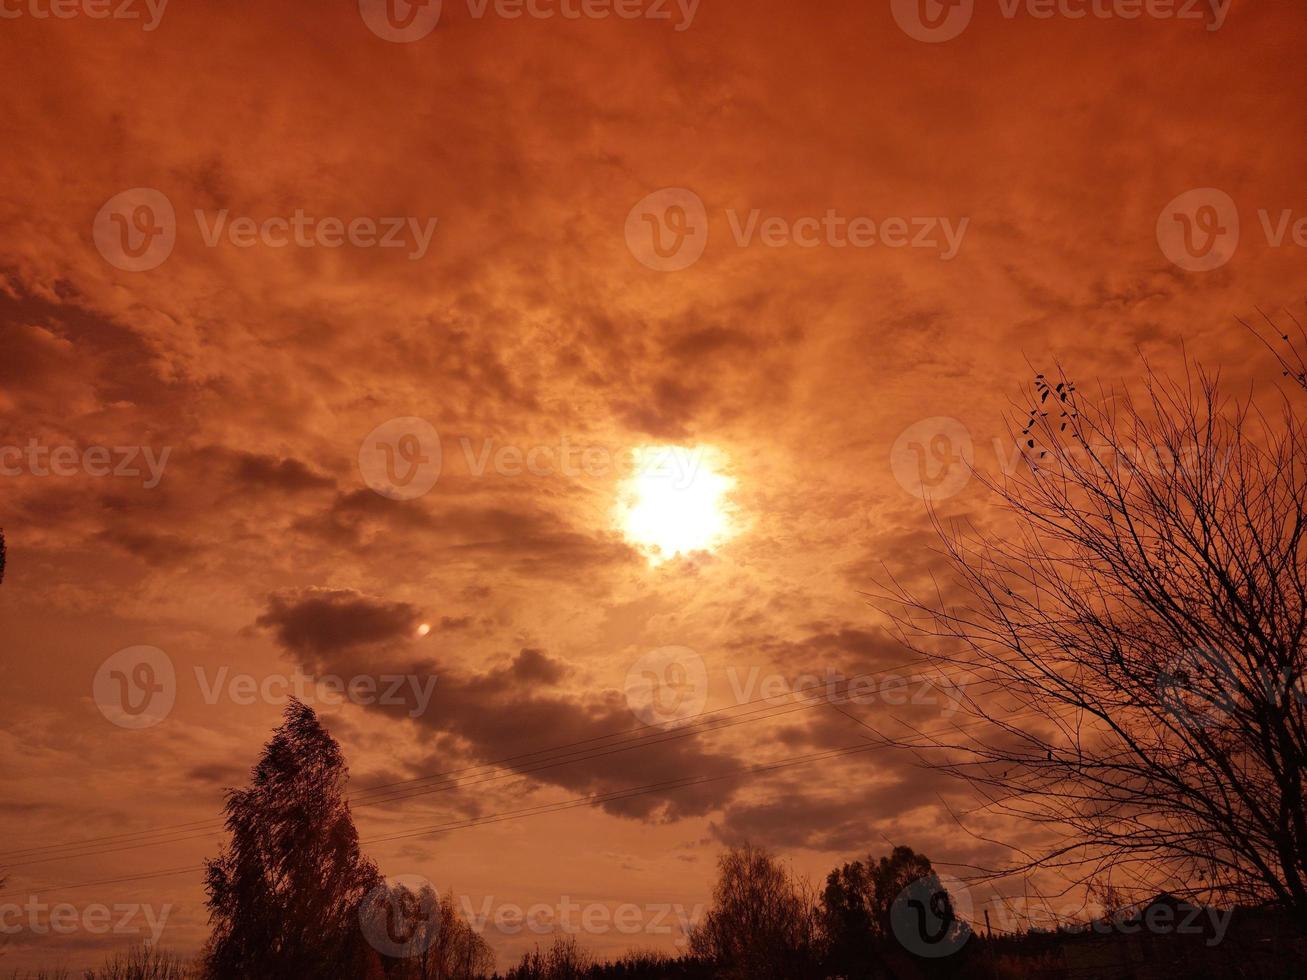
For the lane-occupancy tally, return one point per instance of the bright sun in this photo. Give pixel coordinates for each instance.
(674, 501)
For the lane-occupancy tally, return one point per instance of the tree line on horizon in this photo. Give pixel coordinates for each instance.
(292, 895)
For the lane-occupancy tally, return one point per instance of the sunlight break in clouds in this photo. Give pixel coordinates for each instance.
(674, 502)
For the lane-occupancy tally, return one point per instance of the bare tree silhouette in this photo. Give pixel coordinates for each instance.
(284, 897)
(1146, 607)
(142, 962)
(763, 921)
(425, 938)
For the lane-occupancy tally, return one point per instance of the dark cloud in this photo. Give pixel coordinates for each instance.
(508, 712)
(222, 774)
(529, 320)
(845, 806)
(317, 626)
(156, 549)
(527, 539)
(271, 473)
(840, 647)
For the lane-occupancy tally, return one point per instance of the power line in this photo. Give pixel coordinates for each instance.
(451, 772)
(704, 725)
(768, 713)
(559, 806)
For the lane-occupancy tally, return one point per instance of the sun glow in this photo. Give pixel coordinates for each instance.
(674, 502)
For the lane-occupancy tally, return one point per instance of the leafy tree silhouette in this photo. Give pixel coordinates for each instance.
(284, 897)
(847, 918)
(858, 903)
(892, 875)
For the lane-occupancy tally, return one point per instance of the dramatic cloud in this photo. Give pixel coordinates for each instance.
(234, 385)
(317, 625)
(508, 712)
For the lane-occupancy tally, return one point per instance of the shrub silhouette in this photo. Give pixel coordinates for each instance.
(143, 963)
(565, 959)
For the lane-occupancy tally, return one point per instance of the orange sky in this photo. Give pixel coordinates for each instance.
(1029, 157)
